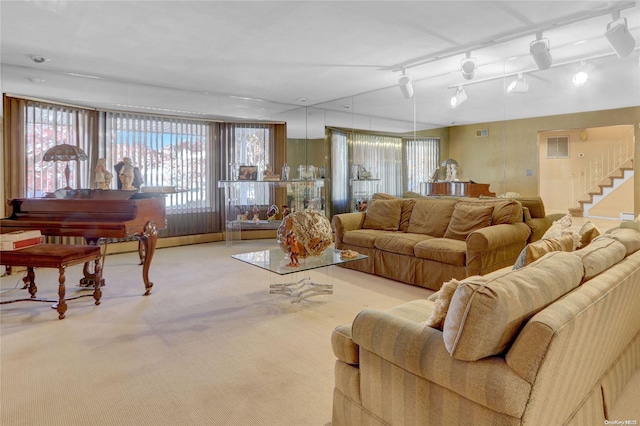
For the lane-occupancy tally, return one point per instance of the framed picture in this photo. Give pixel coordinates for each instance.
(248, 173)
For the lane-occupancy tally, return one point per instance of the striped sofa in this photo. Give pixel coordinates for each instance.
(552, 343)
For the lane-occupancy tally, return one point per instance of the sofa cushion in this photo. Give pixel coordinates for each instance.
(600, 255)
(588, 232)
(441, 301)
(431, 217)
(534, 205)
(399, 242)
(505, 210)
(629, 238)
(383, 214)
(405, 216)
(362, 237)
(343, 346)
(486, 313)
(534, 251)
(442, 250)
(466, 218)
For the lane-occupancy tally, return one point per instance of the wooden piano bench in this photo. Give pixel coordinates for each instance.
(54, 256)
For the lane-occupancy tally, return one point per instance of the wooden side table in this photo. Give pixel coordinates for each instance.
(54, 256)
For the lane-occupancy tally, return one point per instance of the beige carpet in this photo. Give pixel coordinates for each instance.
(209, 346)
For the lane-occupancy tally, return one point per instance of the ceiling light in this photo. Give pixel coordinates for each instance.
(469, 66)
(619, 36)
(519, 85)
(406, 86)
(539, 50)
(38, 59)
(458, 98)
(580, 78)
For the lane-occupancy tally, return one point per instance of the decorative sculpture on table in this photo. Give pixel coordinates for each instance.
(256, 213)
(311, 230)
(272, 212)
(102, 176)
(285, 172)
(293, 248)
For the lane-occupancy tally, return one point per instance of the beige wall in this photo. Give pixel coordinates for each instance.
(511, 150)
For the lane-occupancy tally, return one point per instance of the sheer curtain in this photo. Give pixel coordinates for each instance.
(382, 156)
(339, 172)
(422, 157)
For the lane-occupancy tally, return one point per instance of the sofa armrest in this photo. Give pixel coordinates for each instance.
(408, 344)
(344, 222)
(495, 247)
(420, 350)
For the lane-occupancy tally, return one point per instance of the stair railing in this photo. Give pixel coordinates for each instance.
(601, 168)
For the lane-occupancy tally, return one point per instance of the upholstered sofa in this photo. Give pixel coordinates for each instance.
(551, 343)
(426, 241)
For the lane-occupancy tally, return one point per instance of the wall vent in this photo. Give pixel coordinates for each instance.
(482, 133)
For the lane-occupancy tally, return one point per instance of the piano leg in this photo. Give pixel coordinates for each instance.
(61, 307)
(89, 276)
(146, 248)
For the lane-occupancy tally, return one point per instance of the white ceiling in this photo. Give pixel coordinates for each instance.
(257, 60)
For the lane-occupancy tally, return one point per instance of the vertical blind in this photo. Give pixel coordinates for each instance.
(48, 125)
(339, 172)
(173, 156)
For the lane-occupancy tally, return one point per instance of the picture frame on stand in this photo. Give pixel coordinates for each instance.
(248, 173)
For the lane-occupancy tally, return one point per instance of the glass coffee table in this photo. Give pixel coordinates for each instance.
(276, 261)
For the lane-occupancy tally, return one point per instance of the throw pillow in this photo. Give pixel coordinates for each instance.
(441, 304)
(534, 251)
(486, 313)
(467, 218)
(587, 233)
(383, 215)
(562, 227)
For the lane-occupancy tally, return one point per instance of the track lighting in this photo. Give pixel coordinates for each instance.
(458, 98)
(468, 67)
(519, 85)
(619, 36)
(406, 85)
(539, 50)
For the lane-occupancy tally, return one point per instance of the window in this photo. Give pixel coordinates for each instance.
(382, 156)
(558, 147)
(48, 125)
(421, 160)
(168, 152)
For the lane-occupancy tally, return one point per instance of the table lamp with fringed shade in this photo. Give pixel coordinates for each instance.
(64, 152)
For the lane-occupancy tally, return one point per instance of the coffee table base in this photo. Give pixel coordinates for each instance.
(302, 289)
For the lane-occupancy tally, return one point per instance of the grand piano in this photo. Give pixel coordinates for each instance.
(456, 188)
(94, 214)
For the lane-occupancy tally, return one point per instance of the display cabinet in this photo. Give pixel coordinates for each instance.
(361, 191)
(248, 203)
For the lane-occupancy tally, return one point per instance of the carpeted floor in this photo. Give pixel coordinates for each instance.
(209, 346)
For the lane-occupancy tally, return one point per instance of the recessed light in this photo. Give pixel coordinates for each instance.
(302, 99)
(38, 59)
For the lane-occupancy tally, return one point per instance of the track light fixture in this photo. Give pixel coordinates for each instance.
(519, 85)
(406, 85)
(539, 50)
(619, 36)
(458, 98)
(468, 66)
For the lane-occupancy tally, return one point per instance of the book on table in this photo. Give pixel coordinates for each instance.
(19, 235)
(20, 239)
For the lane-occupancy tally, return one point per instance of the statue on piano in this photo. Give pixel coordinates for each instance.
(129, 176)
(102, 176)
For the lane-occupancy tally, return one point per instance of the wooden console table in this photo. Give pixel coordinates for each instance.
(54, 256)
